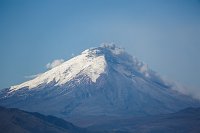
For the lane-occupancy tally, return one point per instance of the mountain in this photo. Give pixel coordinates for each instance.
(99, 84)
(18, 121)
(184, 121)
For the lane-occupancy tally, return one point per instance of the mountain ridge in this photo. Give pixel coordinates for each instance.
(102, 81)
(17, 121)
(184, 121)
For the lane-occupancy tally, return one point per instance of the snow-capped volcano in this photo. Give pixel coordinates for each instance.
(88, 64)
(91, 63)
(102, 81)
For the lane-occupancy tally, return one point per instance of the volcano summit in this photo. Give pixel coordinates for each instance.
(100, 82)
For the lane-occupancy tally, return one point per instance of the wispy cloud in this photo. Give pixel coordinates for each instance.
(32, 76)
(184, 89)
(54, 63)
(50, 65)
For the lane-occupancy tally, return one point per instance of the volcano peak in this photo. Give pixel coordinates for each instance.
(102, 81)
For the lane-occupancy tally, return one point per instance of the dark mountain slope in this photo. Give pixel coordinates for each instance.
(184, 121)
(18, 121)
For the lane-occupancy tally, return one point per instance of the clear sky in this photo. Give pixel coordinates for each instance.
(163, 33)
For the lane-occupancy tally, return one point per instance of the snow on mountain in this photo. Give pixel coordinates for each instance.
(100, 82)
(91, 62)
(86, 63)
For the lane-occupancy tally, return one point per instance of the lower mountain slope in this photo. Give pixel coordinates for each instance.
(18, 121)
(184, 121)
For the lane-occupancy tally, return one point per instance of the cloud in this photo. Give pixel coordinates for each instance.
(32, 76)
(54, 63)
(180, 87)
(48, 66)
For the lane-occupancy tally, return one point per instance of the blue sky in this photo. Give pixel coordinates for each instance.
(163, 33)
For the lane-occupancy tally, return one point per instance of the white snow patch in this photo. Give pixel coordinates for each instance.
(85, 64)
